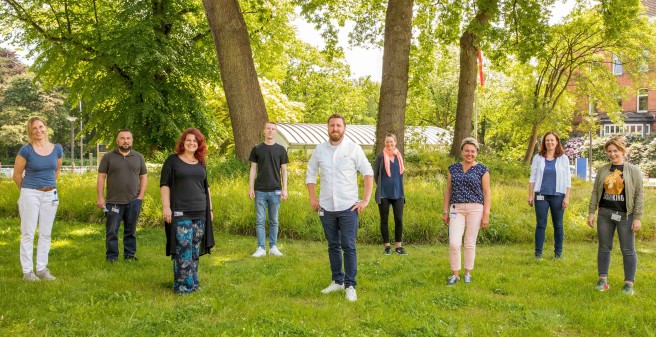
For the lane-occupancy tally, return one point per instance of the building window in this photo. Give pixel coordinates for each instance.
(643, 61)
(627, 129)
(617, 65)
(643, 101)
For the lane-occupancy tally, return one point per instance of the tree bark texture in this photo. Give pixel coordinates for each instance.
(532, 140)
(466, 91)
(242, 88)
(394, 85)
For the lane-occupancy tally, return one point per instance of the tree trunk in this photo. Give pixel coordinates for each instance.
(242, 88)
(394, 85)
(466, 91)
(532, 140)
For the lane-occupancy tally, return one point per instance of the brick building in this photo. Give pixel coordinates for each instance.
(638, 107)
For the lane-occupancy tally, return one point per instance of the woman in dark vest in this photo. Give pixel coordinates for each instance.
(388, 174)
(187, 209)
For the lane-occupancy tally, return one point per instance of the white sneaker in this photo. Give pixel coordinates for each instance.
(30, 277)
(332, 288)
(259, 252)
(45, 274)
(351, 296)
(274, 251)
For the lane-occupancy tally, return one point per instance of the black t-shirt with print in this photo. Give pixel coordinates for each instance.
(614, 197)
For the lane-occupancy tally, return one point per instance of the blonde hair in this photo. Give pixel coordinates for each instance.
(618, 141)
(391, 135)
(28, 128)
(469, 140)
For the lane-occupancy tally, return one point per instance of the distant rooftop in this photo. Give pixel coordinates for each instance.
(307, 136)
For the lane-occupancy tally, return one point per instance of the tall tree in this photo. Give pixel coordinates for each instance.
(396, 61)
(242, 89)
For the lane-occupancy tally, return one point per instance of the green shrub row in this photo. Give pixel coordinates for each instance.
(511, 218)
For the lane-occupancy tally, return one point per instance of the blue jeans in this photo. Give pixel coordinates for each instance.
(555, 203)
(341, 229)
(606, 227)
(129, 214)
(264, 200)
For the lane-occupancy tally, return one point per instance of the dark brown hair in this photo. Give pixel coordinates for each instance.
(336, 116)
(543, 147)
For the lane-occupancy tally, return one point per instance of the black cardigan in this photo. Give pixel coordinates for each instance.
(207, 243)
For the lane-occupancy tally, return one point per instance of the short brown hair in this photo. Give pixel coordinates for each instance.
(543, 147)
(28, 128)
(618, 141)
(391, 135)
(336, 116)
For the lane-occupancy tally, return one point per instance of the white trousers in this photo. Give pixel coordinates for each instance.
(36, 207)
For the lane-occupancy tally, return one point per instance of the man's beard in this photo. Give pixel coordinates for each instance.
(125, 147)
(336, 136)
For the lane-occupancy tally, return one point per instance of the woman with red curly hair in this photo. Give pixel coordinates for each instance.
(187, 209)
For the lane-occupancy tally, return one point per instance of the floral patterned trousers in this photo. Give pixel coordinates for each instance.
(188, 236)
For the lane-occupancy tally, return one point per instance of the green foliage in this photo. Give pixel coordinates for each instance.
(134, 64)
(22, 96)
(511, 294)
(323, 86)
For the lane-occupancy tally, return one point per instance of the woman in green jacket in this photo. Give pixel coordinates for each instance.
(618, 193)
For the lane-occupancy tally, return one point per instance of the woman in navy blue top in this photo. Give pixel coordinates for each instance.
(41, 162)
(466, 207)
(388, 174)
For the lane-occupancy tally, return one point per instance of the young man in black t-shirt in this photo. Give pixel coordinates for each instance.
(267, 185)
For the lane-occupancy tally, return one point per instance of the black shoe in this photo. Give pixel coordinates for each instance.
(131, 258)
(538, 256)
(388, 250)
(400, 251)
(557, 256)
(111, 260)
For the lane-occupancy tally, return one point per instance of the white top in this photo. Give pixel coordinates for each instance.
(563, 176)
(339, 167)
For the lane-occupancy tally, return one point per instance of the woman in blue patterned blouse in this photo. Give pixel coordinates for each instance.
(466, 207)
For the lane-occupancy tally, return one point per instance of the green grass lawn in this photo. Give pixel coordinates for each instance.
(511, 295)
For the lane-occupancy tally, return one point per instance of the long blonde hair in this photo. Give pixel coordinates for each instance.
(28, 128)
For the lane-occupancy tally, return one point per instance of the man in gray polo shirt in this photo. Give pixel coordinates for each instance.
(126, 175)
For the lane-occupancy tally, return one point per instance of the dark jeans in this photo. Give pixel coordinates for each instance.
(397, 208)
(341, 229)
(555, 203)
(129, 214)
(605, 232)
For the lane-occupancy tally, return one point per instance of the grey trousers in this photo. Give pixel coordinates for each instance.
(606, 231)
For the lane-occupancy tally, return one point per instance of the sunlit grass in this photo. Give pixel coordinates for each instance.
(512, 294)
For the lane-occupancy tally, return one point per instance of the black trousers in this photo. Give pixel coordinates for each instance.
(397, 208)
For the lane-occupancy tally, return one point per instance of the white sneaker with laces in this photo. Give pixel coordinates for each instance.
(351, 295)
(332, 288)
(259, 252)
(30, 277)
(274, 251)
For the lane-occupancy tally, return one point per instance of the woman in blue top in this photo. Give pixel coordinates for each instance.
(549, 186)
(388, 174)
(467, 202)
(41, 161)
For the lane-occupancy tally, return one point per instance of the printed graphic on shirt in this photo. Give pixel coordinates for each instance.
(614, 185)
